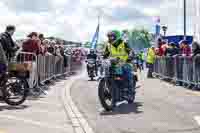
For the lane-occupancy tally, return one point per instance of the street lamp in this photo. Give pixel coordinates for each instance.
(164, 28)
(184, 8)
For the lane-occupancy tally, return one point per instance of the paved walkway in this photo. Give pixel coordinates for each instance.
(46, 114)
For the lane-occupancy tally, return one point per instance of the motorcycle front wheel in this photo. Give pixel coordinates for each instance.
(105, 96)
(91, 75)
(15, 91)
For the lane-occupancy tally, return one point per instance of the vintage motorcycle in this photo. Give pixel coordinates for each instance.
(114, 87)
(91, 64)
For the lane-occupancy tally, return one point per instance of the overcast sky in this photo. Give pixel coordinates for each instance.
(77, 19)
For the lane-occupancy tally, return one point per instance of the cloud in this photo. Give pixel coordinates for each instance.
(128, 13)
(77, 19)
(28, 6)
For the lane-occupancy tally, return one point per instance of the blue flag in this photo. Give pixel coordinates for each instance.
(95, 38)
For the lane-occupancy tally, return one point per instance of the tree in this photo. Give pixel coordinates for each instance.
(139, 39)
(87, 45)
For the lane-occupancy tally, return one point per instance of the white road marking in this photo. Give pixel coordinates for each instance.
(76, 117)
(36, 123)
(197, 118)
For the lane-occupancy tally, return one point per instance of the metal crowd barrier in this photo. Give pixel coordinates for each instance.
(44, 68)
(179, 69)
(30, 59)
(51, 66)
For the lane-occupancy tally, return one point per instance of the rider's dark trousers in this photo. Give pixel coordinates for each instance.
(150, 71)
(116, 91)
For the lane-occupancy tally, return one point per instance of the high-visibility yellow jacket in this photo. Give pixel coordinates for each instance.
(141, 56)
(119, 52)
(151, 56)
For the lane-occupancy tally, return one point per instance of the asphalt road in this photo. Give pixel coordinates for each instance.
(159, 108)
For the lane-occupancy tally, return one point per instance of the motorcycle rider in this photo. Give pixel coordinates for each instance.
(117, 48)
(92, 55)
(142, 56)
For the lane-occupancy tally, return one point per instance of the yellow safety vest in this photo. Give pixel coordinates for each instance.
(142, 56)
(151, 56)
(119, 52)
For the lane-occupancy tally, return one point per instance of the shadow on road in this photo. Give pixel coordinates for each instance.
(7, 107)
(92, 80)
(125, 109)
(139, 86)
(35, 98)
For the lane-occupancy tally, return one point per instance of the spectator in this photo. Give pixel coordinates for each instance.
(157, 51)
(196, 60)
(43, 47)
(172, 50)
(195, 49)
(150, 61)
(63, 54)
(3, 60)
(185, 48)
(160, 49)
(57, 50)
(7, 42)
(51, 48)
(31, 46)
(61, 48)
(41, 37)
(164, 47)
(159, 41)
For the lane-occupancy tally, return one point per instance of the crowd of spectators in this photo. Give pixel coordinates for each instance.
(172, 49)
(165, 49)
(37, 44)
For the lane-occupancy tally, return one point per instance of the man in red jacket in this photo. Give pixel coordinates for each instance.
(31, 45)
(160, 51)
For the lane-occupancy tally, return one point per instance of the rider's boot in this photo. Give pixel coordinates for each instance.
(131, 98)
